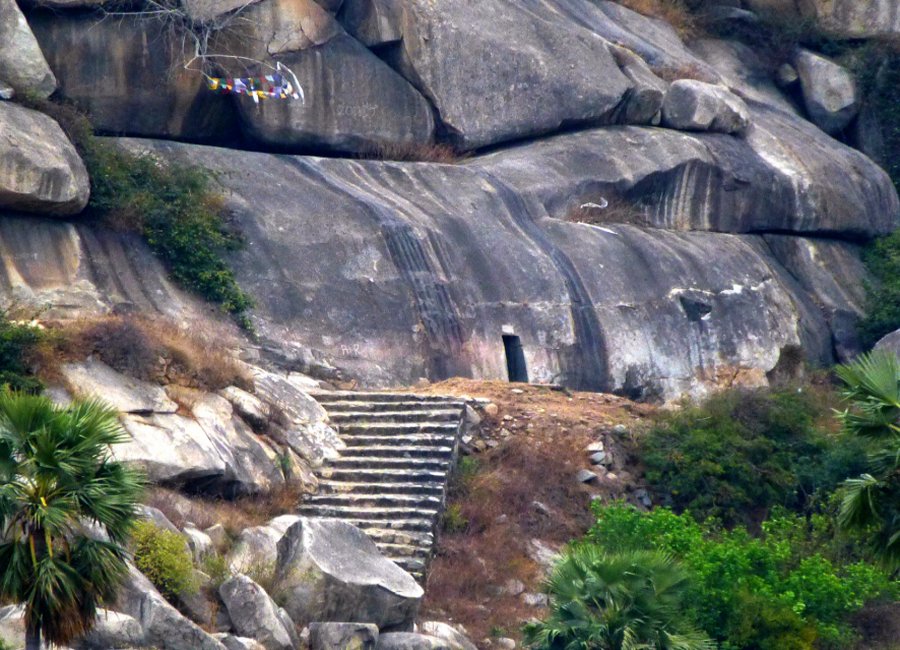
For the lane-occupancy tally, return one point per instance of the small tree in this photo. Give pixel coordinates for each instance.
(58, 485)
(871, 502)
(620, 601)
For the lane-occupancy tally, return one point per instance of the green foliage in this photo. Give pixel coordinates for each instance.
(616, 601)
(56, 475)
(741, 452)
(17, 341)
(882, 259)
(164, 557)
(781, 591)
(216, 567)
(178, 212)
(453, 520)
(175, 207)
(871, 502)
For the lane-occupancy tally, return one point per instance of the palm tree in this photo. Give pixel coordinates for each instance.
(619, 601)
(66, 510)
(871, 502)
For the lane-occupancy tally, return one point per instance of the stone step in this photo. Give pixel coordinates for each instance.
(398, 451)
(412, 525)
(376, 462)
(375, 500)
(359, 406)
(403, 551)
(415, 566)
(394, 417)
(368, 475)
(387, 536)
(399, 439)
(355, 487)
(328, 397)
(381, 514)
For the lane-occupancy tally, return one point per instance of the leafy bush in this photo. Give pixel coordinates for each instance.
(216, 567)
(164, 557)
(616, 601)
(780, 591)
(17, 342)
(174, 207)
(882, 258)
(179, 214)
(743, 451)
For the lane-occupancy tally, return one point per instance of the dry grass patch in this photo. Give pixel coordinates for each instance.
(414, 152)
(675, 12)
(523, 489)
(234, 515)
(157, 350)
(608, 210)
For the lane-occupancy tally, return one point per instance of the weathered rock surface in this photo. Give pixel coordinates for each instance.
(697, 106)
(829, 91)
(256, 548)
(93, 378)
(890, 343)
(338, 636)
(456, 639)
(411, 641)
(543, 71)
(22, 64)
(373, 22)
(644, 100)
(840, 18)
(329, 570)
(254, 613)
(40, 171)
(239, 642)
(114, 630)
(12, 625)
(163, 627)
(128, 74)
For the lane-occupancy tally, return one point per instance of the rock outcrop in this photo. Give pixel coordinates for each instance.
(337, 636)
(839, 18)
(829, 91)
(697, 106)
(40, 171)
(254, 614)
(22, 63)
(329, 570)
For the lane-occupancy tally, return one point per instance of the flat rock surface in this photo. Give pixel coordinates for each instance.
(95, 379)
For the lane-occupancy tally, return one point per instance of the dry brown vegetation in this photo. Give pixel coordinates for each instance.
(617, 210)
(155, 350)
(675, 12)
(414, 152)
(234, 515)
(522, 489)
(687, 71)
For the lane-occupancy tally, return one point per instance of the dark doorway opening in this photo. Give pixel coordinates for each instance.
(515, 359)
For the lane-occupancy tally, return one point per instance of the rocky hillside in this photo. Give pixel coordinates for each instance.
(728, 248)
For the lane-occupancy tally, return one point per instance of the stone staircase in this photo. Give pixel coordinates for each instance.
(391, 479)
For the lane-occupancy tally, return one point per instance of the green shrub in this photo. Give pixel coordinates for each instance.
(175, 207)
(741, 452)
(882, 259)
(616, 601)
(453, 520)
(164, 557)
(778, 591)
(216, 567)
(17, 342)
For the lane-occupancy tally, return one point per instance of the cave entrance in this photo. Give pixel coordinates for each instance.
(515, 358)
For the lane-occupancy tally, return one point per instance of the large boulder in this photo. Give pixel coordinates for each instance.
(496, 71)
(829, 91)
(22, 64)
(849, 19)
(329, 570)
(456, 639)
(40, 171)
(254, 614)
(256, 548)
(354, 102)
(697, 106)
(128, 73)
(113, 630)
(163, 626)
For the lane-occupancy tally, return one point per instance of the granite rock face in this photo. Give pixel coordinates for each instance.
(840, 18)
(128, 74)
(329, 570)
(40, 171)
